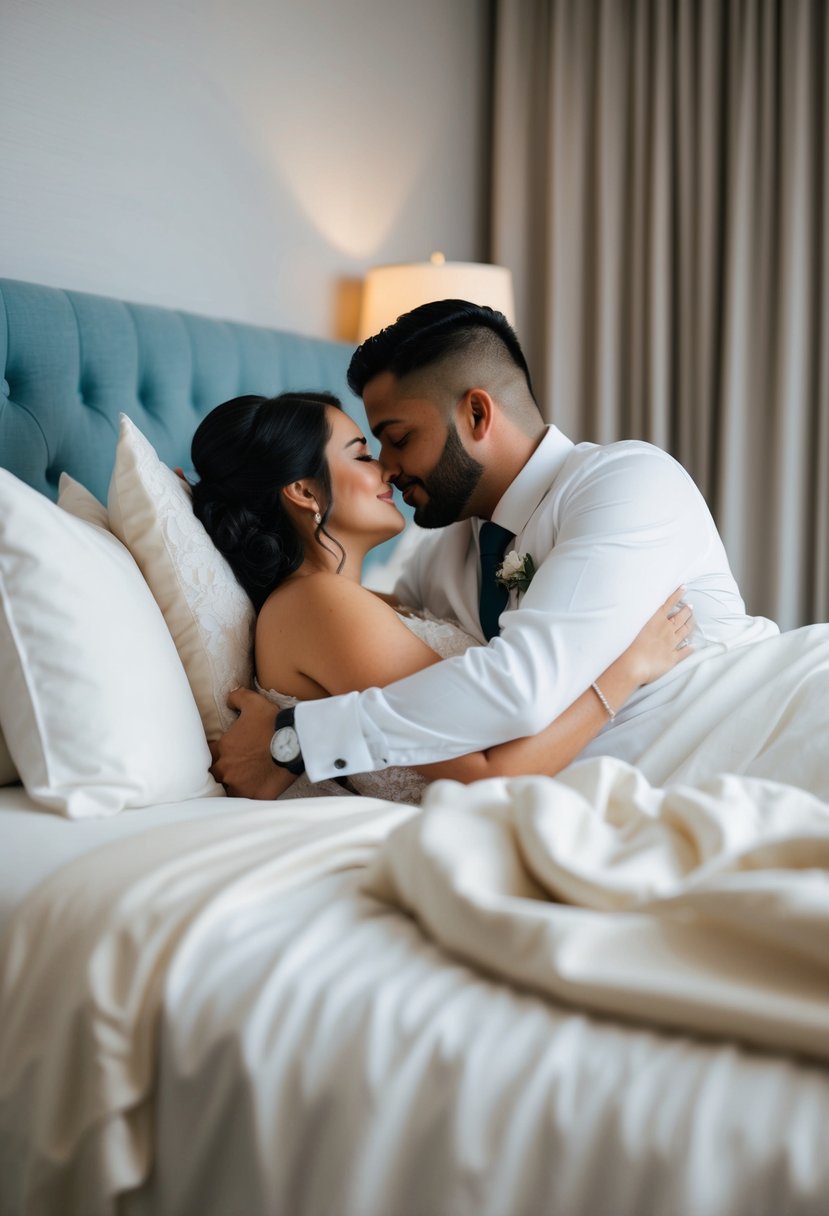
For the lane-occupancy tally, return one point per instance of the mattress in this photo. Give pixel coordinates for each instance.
(36, 843)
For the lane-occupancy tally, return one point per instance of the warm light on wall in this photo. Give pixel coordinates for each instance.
(390, 291)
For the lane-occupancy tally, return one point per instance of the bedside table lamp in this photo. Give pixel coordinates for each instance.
(389, 291)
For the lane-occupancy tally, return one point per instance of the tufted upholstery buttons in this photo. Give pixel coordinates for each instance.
(73, 362)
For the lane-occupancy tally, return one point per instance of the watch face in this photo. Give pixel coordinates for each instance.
(285, 745)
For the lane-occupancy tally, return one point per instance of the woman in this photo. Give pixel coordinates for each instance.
(291, 495)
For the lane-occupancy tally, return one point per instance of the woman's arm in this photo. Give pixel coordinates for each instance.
(658, 647)
(342, 638)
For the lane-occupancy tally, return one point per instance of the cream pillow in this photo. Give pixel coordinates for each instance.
(207, 612)
(78, 501)
(94, 703)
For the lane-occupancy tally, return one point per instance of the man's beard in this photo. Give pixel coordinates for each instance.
(449, 485)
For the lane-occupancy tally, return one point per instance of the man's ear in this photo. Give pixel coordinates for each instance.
(476, 414)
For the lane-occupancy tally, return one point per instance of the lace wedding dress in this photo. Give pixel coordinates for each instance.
(394, 784)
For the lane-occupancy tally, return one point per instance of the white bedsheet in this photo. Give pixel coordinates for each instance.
(761, 709)
(34, 842)
(239, 1028)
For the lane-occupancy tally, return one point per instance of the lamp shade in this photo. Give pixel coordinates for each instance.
(389, 291)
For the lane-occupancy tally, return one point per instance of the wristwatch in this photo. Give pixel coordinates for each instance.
(285, 748)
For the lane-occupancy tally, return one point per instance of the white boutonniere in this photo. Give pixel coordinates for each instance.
(516, 570)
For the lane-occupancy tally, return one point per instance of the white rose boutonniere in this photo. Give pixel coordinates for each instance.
(516, 570)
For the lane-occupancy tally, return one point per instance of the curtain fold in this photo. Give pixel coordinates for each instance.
(660, 194)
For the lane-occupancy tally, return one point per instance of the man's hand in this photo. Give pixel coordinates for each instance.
(242, 758)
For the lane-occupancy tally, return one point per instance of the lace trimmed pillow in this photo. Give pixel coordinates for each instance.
(208, 614)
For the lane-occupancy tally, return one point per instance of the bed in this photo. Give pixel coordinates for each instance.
(215, 1006)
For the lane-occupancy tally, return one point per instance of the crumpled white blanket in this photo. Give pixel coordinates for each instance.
(704, 906)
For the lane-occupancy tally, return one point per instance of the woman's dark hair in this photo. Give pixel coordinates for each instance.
(429, 333)
(245, 452)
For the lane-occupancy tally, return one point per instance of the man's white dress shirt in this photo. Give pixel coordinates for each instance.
(612, 530)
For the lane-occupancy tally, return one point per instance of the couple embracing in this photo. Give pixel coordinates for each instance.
(543, 618)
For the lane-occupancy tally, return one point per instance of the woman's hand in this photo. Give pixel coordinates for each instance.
(663, 642)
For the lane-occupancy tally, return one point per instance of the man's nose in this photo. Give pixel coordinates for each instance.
(389, 465)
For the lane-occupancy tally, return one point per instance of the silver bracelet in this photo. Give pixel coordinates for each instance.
(611, 712)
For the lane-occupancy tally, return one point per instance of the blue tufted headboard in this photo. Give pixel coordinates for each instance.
(71, 362)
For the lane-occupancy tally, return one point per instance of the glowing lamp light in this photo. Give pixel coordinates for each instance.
(389, 291)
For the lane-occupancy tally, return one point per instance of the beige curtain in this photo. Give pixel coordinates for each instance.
(661, 193)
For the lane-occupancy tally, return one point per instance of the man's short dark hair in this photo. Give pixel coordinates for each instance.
(428, 334)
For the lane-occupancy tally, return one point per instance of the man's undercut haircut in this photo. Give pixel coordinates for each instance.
(432, 333)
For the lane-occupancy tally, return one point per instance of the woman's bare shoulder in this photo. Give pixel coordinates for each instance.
(323, 591)
(335, 633)
(318, 604)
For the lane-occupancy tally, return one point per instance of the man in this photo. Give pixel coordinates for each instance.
(609, 532)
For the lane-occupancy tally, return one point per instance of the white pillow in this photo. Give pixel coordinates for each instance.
(77, 500)
(207, 612)
(94, 703)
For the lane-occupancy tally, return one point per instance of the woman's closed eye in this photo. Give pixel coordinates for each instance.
(369, 458)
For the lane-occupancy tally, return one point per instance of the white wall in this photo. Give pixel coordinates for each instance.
(240, 158)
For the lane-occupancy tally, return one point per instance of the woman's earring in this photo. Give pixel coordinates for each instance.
(317, 517)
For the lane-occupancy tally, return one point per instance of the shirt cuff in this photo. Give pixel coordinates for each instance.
(331, 738)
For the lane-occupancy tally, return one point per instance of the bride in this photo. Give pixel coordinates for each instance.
(291, 495)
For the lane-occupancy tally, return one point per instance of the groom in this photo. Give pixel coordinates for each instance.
(602, 535)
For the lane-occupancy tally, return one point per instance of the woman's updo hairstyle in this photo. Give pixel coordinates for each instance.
(245, 452)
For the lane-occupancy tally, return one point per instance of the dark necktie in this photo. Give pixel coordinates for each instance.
(493, 541)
